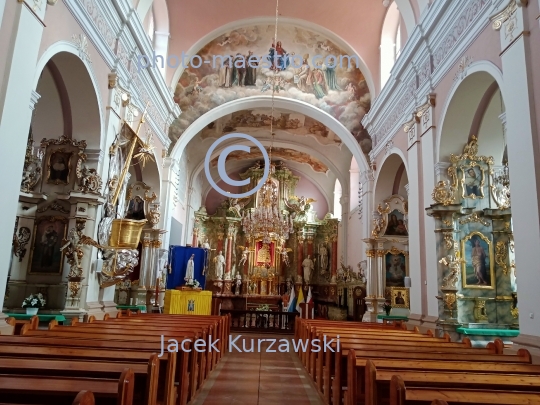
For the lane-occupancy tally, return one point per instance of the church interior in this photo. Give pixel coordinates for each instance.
(222, 203)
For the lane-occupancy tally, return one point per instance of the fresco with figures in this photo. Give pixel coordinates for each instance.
(340, 91)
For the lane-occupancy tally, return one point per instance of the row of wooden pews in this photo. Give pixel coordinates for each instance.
(116, 361)
(378, 364)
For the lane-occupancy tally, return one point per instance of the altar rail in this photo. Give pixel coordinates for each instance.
(261, 321)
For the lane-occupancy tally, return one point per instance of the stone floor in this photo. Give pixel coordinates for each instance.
(258, 378)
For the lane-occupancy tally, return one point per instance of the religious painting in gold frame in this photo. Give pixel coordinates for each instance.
(45, 256)
(399, 297)
(59, 166)
(478, 264)
(473, 180)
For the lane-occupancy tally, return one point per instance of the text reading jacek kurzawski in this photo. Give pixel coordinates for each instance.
(249, 345)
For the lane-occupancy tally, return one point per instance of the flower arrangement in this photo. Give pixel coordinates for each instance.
(193, 283)
(387, 307)
(263, 307)
(34, 301)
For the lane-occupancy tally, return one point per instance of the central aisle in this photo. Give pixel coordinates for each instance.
(258, 378)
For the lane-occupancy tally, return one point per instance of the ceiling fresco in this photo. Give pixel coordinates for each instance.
(279, 153)
(340, 91)
(290, 122)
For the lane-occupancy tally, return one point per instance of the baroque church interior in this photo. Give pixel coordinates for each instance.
(228, 202)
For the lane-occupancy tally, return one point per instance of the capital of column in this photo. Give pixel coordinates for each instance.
(501, 17)
(34, 98)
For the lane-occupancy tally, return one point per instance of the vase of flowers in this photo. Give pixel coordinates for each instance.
(193, 283)
(387, 307)
(33, 303)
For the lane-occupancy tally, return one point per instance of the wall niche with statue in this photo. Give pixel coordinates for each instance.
(475, 247)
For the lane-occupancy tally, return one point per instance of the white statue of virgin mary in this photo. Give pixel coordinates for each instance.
(190, 270)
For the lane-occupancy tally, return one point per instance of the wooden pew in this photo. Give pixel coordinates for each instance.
(377, 381)
(41, 389)
(357, 366)
(400, 394)
(84, 398)
(146, 375)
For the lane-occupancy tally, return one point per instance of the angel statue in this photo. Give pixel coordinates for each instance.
(236, 205)
(73, 246)
(283, 251)
(245, 252)
(300, 206)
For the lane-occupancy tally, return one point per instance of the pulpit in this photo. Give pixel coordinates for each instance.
(188, 301)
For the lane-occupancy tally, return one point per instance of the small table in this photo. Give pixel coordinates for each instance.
(392, 318)
(41, 317)
(133, 308)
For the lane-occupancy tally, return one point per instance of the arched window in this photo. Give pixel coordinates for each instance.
(151, 26)
(337, 199)
(397, 42)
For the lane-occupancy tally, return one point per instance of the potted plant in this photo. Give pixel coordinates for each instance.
(387, 307)
(33, 303)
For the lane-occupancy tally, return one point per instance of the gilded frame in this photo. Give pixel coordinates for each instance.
(395, 292)
(472, 166)
(489, 255)
(69, 166)
(389, 205)
(396, 252)
(38, 221)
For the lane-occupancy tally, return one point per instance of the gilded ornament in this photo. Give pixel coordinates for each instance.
(20, 241)
(447, 222)
(54, 206)
(448, 240)
(513, 266)
(32, 166)
(514, 312)
(89, 180)
(501, 254)
(500, 189)
(474, 217)
(480, 312)
(453, 264)
(449, 300)
(443, 193)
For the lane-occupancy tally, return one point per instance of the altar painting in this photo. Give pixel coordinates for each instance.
(396, 269)
(49, 235)
(396, 224)
(264, 254)
(246, 62)
(477, 267)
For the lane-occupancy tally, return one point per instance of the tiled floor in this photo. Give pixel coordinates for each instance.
(258, 378)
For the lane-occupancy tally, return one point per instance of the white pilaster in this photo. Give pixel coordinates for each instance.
(15, 117)
(416, 212)
(169, 198)
(523, 160)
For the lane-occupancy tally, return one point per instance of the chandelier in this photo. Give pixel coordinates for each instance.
(267, 221)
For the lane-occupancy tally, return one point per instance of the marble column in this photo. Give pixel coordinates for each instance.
(23, 32)
(371, 282)
(344, 226)
(523, 157)
(228, 260)
(333, 279)
(381, 275)
(310, 246)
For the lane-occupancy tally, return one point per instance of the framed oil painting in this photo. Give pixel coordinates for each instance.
(396, 269)
(399, 297)
(136, 209)
(477, 265)
(396, 224)
(472, 181)
(46, 257)
(59, 167)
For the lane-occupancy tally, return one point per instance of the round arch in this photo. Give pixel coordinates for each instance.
(279, 102)
(485, 67)
(407, 12)
(92, 84)
(386, 175)
(197, 46)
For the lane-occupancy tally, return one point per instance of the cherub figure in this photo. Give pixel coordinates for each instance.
(73, 246)
(283, 251)
(245, 253)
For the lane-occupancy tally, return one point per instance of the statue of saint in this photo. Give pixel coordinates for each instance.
(219, 261)
(323, 253)
(205, 244)
(190, 270)
(238, 284)
(308, 265)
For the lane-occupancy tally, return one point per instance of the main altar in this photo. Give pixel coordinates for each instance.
(263, 246)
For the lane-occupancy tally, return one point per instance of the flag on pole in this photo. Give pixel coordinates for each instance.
(292, 301)
(300, 300)
(309, 299)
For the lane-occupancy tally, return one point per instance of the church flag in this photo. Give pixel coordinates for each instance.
(300, 300)
(309, 297)
(292, 301)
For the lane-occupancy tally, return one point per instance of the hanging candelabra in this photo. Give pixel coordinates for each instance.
(267, 221)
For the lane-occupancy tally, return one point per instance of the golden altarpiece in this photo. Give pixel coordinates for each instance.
(261, 268)
(475, 247)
